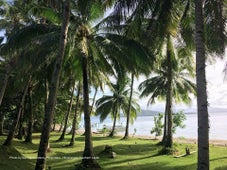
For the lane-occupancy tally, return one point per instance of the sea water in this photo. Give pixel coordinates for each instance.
(143, 125)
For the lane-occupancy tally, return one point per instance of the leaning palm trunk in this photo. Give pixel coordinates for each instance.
(4, 84)
(169, 139)
(75, 117)
(28, 138)
(203, 125)
(16, 118)
(129, 108)
(48, 118)
(21, 133)
(2, 115)
(61, 125)
(114, 123)
(68, 113)
(88, 160)
(164, 137)
(93, 101)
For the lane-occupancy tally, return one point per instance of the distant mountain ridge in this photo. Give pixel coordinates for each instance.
(186, 111)
(148, 113)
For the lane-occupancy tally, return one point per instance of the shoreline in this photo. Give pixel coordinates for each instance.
(215, 142)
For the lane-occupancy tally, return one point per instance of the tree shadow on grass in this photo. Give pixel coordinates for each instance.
(221, 168)
(153, 166)
(139, 149)
(64, 161)
(216, 159)
(219, 159)
(11, 159)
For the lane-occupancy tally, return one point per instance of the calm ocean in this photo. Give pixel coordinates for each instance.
(143, 125)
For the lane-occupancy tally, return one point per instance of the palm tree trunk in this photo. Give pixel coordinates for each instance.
(17, 115)
(48, 118)
(68, 113)
(89, 161)
(203, 121)
(114, 123)
(165, 125)
(2, 123)
(129, 108)
(93, 101)
(169, 139)
(21, 128)
(61, 125)
(75, 117)
(54, 125)
(28, 138)
(4, 84)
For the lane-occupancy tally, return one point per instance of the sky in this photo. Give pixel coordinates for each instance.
(217, 86)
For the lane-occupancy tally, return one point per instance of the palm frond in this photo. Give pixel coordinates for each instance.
(90, 10)
(22, 37)
(215, 26)
(47, 13)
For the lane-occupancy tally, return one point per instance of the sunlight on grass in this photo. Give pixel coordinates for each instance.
(133, 153)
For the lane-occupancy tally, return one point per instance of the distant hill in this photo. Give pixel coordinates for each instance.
(210, 110)
(217, 110)
(148, 113)
(186, 111)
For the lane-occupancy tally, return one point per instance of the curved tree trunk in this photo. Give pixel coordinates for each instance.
(169, 139)
(164, 137)
(28, 138)
(129, 108)
(48, 118)
(89, 160)
(54, 126)
(68, 113)
(114, 123)
(2, 123)
(203, 120)
(21, 121)
(4, 84)
(93, 101)
(73, 130)
(17, 115)
(61, 125)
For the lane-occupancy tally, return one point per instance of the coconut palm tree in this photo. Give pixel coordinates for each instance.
(128, 114)
(22, 61)
(214, 28)
(72, 140)
(119, 101)
(10, 14)
(203, 125)
(102, 49)
(17, 115)
(40, 163)
(68, 112)
(169, 82)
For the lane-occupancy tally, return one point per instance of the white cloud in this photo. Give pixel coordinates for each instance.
(216, 86)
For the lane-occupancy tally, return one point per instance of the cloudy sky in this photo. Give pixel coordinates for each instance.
(217, 86)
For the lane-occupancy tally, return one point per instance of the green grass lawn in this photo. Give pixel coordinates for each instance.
(132, 154)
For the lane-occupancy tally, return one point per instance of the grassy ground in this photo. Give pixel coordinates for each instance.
(132, 154)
